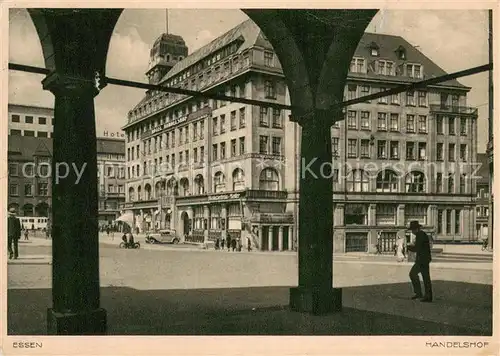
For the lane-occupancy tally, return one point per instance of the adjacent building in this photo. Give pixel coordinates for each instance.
(483, 197)
(211, 169)
(30, 159)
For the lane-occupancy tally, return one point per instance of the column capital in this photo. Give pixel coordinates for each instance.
(58, 83)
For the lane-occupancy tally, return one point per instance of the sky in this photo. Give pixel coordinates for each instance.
(454, 39)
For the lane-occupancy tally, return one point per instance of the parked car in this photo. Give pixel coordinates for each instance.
(162, 236)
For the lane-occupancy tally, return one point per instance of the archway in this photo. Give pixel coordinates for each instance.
(42, 209)
(28, 210)
(184, 225)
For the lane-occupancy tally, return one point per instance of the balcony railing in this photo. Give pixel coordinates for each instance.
(450, 109)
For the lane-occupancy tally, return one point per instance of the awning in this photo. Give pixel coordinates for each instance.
(127, 218)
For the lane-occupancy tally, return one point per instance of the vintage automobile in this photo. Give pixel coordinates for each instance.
(162, 236)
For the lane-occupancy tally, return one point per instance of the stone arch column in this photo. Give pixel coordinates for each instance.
(75, 44)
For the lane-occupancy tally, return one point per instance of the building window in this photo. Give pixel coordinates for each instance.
(439, 182)
(415, 182)
(233, 120)
(14, 190)
(422, 146)
(386, 214)
(351, 92)
(335, 146)
(439, 151)
(222, 124)
(384, 99)
(28, 119)
(454, 101)
(202, 154)
(219, 182)
(269, 59)
(222, 150)
(214, 152)
(394, 124)
(422, 124)
(451, 125)
(264, 119)
(414, 70)
(381, 149)
(395, 99)
(422, 98)
(410, 98)
(365, 90)
(42, 121)
(269, 179)
(29, 133)
(355, 214)
(238, 179)
(463, 126)
(384, 67)
(439, 125)
(463, 153)
(352, 148)
(463, 178)
(457, 221)
(410, 123)
(242, 145)
(242, 118)
(394, 149)
(270, 89)
(365, 149)
(387, 181)
(13, 169)
(202, 129)
(276, 145)
(352, 120)
(233, 147)
(357, 181)
(15, 132)
(382, 121)
(43, 189)
(358, 65)
(410, 150)
(451, 184)
(263, 144)
(451, 152)
(16, 118)
(277, 124)
(365, 120)
(416, 212)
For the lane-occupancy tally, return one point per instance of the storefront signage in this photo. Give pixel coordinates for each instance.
(224, 197)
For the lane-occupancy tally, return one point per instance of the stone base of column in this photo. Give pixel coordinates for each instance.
(92, 322)
(315, 300)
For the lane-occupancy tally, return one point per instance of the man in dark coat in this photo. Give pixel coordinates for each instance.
(423, 258)
(13, 233)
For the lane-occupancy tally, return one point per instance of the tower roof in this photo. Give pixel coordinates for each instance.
(171, 38)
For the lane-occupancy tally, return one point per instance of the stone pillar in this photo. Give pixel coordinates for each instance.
(372, 215)
(75, 244)
(453, 232)
(280, 238)
(224, 217)
(315, 293)
(400, 218)
(270, 238)
(261, 238)
(339, 215)
(290, 238)
(206, 217)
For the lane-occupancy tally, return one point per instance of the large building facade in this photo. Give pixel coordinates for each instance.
(482, 198)
(30, 159)
(209, 169)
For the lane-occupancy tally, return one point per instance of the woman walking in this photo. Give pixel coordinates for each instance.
(400, 246)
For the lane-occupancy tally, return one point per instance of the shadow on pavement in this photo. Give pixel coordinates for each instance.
(459, 309)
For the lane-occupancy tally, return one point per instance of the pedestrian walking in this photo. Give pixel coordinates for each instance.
(423, 258)
(13, 233)
(379, 243)
(26, 237)
(222, 242)
(249, 244)
(400, 245)
(228, 242)
(233, 244)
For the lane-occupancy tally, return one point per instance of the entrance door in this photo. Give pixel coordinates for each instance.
(184, 224)
(286, 231)
(265, 238)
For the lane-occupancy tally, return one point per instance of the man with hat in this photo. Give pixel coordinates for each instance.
(13, 233)
(422, 261)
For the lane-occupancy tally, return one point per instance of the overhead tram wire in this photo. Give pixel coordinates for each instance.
(197, 94)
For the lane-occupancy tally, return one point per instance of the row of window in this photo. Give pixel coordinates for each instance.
(42, 189)
(387, 181)
(221, 147)
(391, 122)
(361, 148)
(354, 91)
(219, 123)
(29, 169)
(112, 188)
(482, 211)
(385, 67)
(30, 133)
(447, 215)
(15, 118)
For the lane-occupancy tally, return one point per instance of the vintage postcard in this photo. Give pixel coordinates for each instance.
(248, 178)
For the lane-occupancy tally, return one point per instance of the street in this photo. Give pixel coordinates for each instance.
(195, 281)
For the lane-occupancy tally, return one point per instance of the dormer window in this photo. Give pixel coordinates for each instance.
(401, 52)
(358, 65)
(374, 49)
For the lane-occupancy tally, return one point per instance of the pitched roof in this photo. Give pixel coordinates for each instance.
(25, 147)
(388, 45)
(110, 145)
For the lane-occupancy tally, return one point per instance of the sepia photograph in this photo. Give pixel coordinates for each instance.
(258, 171)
